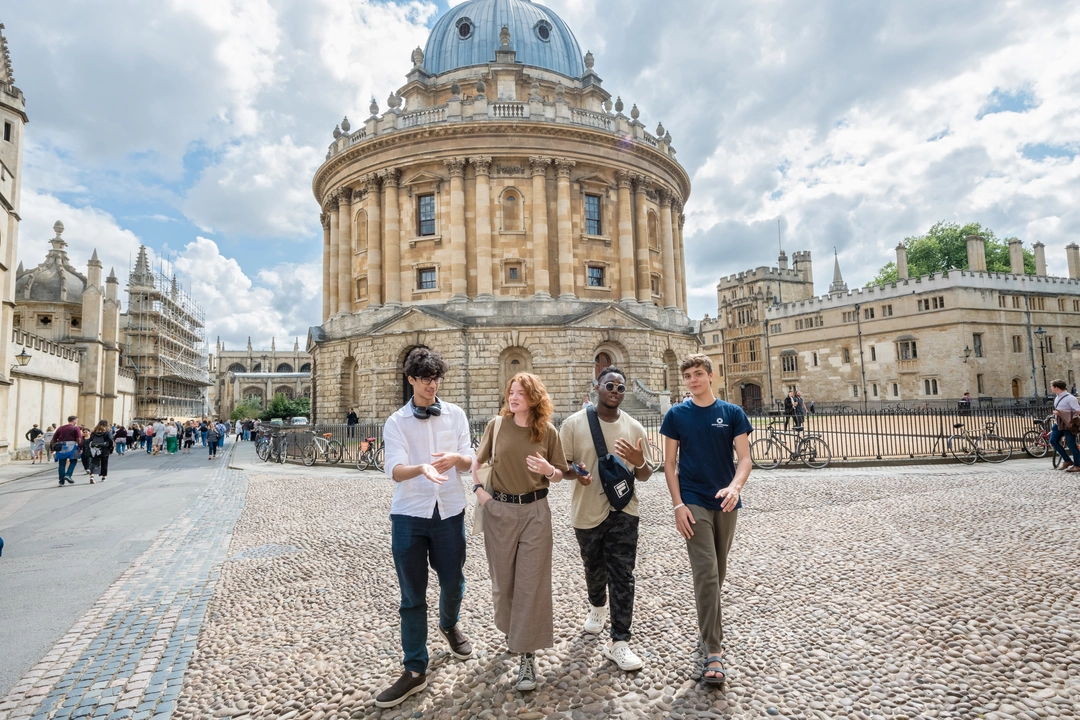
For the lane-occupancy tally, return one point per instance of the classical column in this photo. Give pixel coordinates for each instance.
(541, 281)
(483, 227)
(671, 300)
(459, 287)
(374, 241)
(682, 262)
(335, 257)
(565, 228)
(324, 218)
(644, 278)
(626, 239)
(345, 251)
(392, 236)
(680, 268)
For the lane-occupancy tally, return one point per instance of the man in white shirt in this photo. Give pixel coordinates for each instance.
(427, 445)
(1065, 409)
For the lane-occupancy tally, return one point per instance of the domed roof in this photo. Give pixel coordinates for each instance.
(54, 280)
(468, 35)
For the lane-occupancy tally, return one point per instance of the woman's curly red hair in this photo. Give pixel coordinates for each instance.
(540, 406)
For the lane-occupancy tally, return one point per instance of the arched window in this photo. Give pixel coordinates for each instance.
(284, 368)
(236, 368)
(284, 390)
(360, 232)
(511, 212)
(306, 367)
(257, 367)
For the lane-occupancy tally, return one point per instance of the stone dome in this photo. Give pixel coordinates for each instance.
(468, 35)
(54, 280)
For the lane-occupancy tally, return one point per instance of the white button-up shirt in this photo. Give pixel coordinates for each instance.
(411, 441)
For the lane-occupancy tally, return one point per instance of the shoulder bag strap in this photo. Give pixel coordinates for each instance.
(597, 434)
(494, 438)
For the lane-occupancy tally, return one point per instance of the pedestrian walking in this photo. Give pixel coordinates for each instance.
(172, 437)
(249, 425)
(223, 430)
(517, 519)
(1067, 425)
(203, 429)
(605, 514)
(48, 437)
(699, 440)
(789, 408)
(120, 438)
(212, 440)
(148, 436)
(238, 430)
(352, 420)
(66, 442)
(36, 437)
(100, 446)
(427, 446)
(159, 436)
(800, 409)
(84, 455)
(189, 436)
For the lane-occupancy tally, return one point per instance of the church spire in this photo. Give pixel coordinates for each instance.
(141, 274)
(7, 76)
(838, 284)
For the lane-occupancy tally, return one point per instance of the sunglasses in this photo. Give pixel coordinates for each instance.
(620, 388)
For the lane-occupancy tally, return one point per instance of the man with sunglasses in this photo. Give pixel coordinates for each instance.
(607, 537)
(427, 445)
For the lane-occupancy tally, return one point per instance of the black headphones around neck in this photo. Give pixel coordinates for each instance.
(423, 413)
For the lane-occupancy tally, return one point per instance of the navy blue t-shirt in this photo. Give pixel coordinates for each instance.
(706, 438)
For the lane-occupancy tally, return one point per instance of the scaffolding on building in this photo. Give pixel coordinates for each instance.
(166, 345)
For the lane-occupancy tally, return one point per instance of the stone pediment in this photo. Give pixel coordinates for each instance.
(415, 320)
(610, 316)
(423, 177)
(594, 180)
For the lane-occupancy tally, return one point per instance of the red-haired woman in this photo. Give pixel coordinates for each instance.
(528, 456)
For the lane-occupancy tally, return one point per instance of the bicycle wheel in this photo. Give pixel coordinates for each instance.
(815, 452)
(283, 450)
(363, 459)
(335, 452)
(379, 458)
(994, 448)
(766, 453)
(1034, 445)
(262, 449)
(962, 449)
(311, 454)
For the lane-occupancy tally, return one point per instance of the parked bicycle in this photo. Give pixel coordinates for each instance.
(781, 445)
(987, 445)
(323, 447)
(371, 454)
(272, 447)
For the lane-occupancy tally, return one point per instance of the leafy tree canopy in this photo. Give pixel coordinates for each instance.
(944, 247)
(280, 407)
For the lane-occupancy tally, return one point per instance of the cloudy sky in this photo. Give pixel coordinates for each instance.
(195, 126)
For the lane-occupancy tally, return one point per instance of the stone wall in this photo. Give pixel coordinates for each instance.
(45, 391)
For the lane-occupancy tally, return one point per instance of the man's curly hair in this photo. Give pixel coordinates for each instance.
(424, 362)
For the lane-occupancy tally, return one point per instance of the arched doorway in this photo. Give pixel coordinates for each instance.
(512, 360)
(671, 370)
(349, 384)
(601, 361)
(751, 397)
(1016, 388)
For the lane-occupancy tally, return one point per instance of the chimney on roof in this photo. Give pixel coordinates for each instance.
(1072, 251)
(901, 262)
(976, 252)
(1016, 256)
(1040, 259)
(782, 262)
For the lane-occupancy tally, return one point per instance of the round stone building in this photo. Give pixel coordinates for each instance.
(506, 211)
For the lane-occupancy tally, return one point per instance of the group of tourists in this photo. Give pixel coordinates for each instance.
(796, 408)
(603, 452)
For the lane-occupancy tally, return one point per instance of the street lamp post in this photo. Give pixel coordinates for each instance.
(1041, 335)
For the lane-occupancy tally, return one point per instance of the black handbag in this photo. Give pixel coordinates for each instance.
(616, 477)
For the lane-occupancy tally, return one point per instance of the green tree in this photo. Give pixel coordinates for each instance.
(944, 247)
(280, 407)
(249, 408)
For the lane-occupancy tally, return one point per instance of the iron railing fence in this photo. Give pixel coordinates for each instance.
(854, 436)
(912, 407)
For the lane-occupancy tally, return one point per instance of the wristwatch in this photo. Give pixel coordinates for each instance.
(476, 487)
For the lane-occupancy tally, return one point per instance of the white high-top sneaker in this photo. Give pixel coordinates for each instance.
(594, 623)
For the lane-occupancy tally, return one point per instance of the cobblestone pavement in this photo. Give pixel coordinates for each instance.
(126, 657)
(923, 592)
(910, 592)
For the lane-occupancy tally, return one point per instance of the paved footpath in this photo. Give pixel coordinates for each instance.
(126, 656)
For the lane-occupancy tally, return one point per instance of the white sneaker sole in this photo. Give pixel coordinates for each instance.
(526, 686)
(625, 668)
(403, 698)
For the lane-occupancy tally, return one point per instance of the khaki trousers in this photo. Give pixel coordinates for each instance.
(518, 542)
(708, 548)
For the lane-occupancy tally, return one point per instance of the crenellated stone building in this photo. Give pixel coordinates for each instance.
(240, 375)
(506, 212)
(995, 335)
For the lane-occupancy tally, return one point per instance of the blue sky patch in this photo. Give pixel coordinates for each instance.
(1019, 100)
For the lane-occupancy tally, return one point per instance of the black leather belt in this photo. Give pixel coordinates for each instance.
(520, 499)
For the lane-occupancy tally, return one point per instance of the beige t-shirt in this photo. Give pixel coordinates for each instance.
(510, 474)
(589, 504)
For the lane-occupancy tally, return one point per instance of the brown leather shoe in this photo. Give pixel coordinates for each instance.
(1066, 465)
(1074, 469)
(397, 693)
(460, 647)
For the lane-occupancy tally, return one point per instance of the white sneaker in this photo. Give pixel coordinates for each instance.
(594, 623)
(623, 656)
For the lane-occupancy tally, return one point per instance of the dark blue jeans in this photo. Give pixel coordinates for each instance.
(65, 468)
(415, 543)
(1070, 440)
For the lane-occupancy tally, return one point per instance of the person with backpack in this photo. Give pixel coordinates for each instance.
(604, 508)
(100, 446)
(212, 435)
(148, 437)
(120, 438)
(189, 436)
(35, 436)
(65, 446)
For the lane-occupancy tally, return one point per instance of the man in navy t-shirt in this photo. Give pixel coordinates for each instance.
(705, 487)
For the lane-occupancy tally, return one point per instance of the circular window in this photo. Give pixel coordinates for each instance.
(464, 28)
(543, 30)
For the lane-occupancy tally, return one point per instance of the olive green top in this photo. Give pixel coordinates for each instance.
(510, 474)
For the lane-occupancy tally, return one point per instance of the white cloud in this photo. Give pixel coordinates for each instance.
(281, 305)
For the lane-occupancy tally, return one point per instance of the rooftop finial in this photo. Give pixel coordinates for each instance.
(346, 126)
(417, 57)
(589, 60)
(504, 36)
(374, 107)
(838, 285)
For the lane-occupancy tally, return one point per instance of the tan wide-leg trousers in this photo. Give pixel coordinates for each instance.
(518, 542)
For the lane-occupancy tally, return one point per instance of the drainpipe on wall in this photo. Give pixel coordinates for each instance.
(768, 361)
(862, 364)
(1031, 348)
